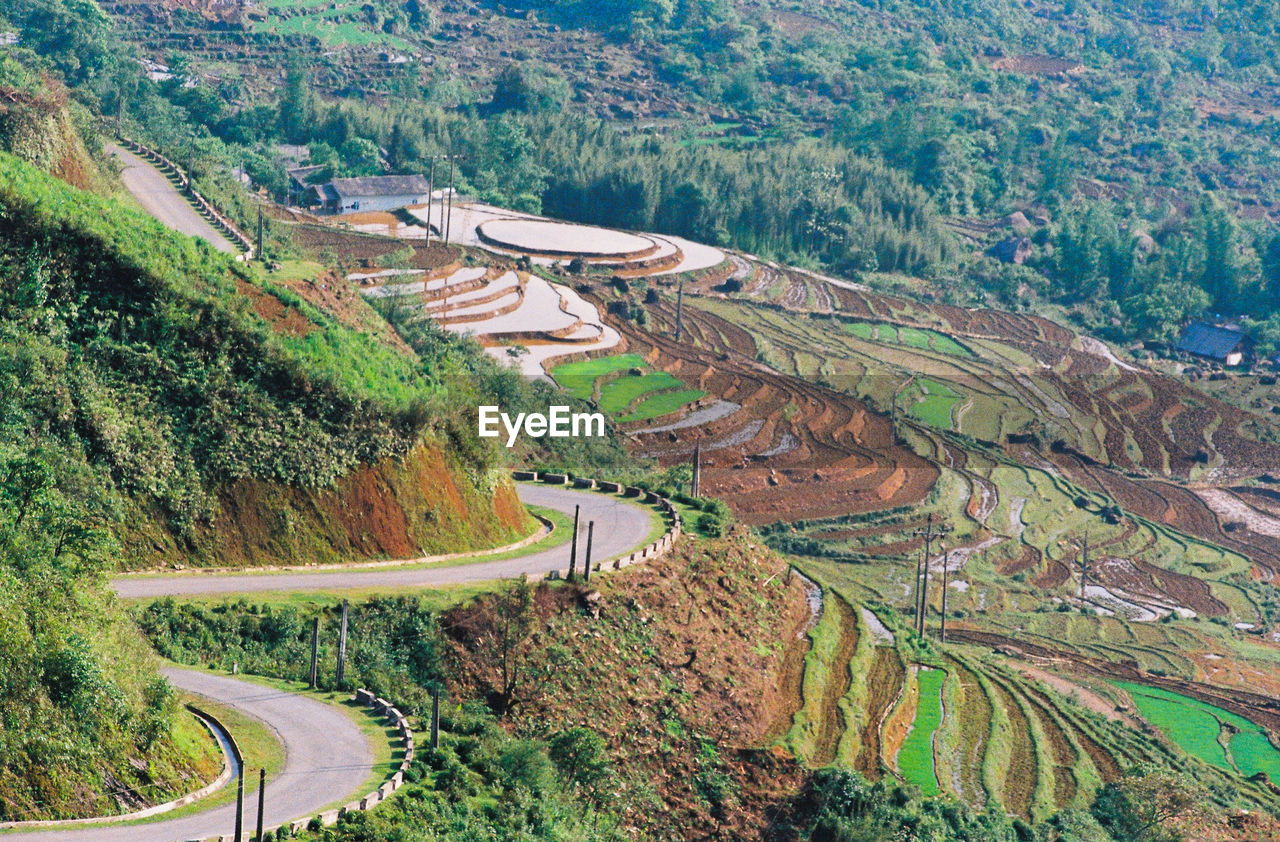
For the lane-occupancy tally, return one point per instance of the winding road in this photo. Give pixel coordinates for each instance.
(161, 199)
(316, 772)
(621, 527)
(319, 773)
(327, 757)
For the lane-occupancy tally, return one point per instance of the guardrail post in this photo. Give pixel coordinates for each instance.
(591, 528)
(573, 553)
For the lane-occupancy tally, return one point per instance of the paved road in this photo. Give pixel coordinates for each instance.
(161, 199)
(327, 759)
(621, 527)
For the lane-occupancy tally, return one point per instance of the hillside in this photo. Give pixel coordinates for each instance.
(151, 416)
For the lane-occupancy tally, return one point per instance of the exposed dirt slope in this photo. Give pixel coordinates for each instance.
(422, 504)
(680, 672)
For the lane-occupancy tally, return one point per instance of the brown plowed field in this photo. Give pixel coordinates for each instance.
(884, 683)
(841, 459)
(832, 723)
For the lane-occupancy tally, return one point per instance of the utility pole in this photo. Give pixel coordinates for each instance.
(696, 488)
(240, 806)
(573, 553)
(591, 528)
(342, 646)
(1084, 565)
(448, 226)
(946, 563)
(679, 311)
(259, 254)
(922, 571)
(315, 651)
(431, 196)
(435, 716)
(262, 800)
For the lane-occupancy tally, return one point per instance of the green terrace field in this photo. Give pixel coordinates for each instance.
(1216, 736)
(915, 758)
(914, 337)
(626, 387)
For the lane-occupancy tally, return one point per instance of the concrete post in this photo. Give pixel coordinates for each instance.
(946, 562)
(240, 806)
(262, 800)
(431, 190)
(342, 646)
(573, 553)
(435, 716)
(448, 226)
(315, 652)
(591, 528)
(679, 311)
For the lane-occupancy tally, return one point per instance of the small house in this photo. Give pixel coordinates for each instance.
(372, 193)
(1227, 345)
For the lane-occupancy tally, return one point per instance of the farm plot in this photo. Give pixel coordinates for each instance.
(915, 757)
(1216, 736)
(920, 338)
(624, 386)
(579, 378)
(935, 403)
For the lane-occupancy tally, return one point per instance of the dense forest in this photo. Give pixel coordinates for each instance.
(848, 137)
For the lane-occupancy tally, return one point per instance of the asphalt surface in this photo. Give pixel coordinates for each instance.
(161, 199)
(621, 528)
(327, 759)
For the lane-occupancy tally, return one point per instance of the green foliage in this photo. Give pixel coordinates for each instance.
(393, 646)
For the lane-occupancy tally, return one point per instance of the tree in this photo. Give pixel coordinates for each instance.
(1147, 804)
(511, 90)
(297, 107)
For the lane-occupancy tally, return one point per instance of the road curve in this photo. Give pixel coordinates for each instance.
(327, 759)
(621, 527)
(161, 199)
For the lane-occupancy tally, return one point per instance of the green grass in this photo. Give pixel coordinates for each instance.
(662, 404)
(617, 395)
(578, 378)
(1196, 727)
(915, 758)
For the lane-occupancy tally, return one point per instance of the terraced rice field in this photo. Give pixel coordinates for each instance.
(579, 378)
(637, 395)
(914, 337)
(936, 403)
(1216, 736)
(915, 758)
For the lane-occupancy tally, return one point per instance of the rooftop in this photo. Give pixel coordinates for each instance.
(1206, 340)
(380, 185)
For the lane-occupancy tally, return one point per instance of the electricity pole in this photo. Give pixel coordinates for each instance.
(922, 570)
(946, 562)
(1084, 565)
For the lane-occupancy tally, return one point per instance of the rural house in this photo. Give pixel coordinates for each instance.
(371, 193)
(1224, 344)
